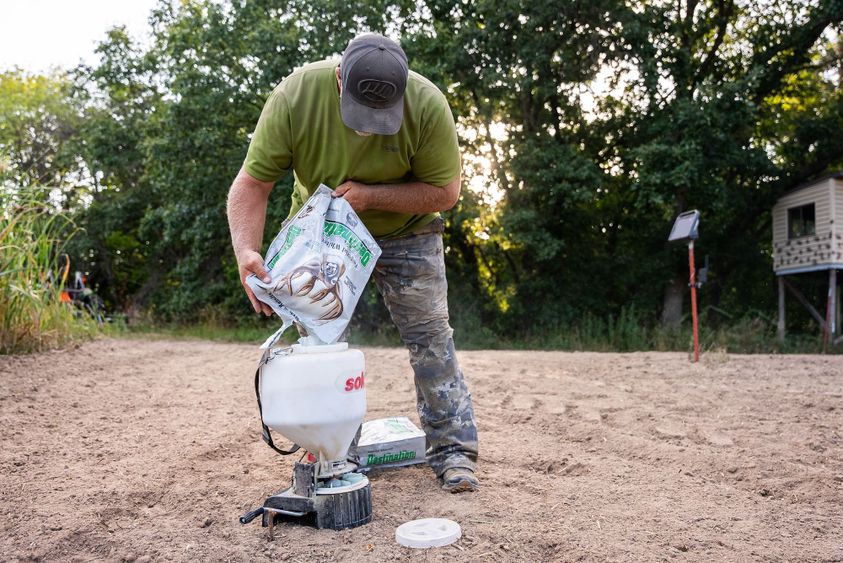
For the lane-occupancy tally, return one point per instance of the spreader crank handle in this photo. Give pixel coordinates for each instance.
(249, 516)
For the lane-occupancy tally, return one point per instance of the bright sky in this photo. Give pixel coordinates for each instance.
(38, 34)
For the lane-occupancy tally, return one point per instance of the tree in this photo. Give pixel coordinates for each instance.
(168, 128)
(704, 81)
(37, 124)
(591, 191)
(596, 122)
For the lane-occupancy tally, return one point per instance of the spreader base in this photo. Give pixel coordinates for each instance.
(336, 503)
(329, 508)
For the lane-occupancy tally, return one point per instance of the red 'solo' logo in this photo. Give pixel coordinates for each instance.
(355, 383)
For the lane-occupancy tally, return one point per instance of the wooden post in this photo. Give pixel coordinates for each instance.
(810, 308)
(832, 305)
(780, 327)
(837, 318)
(827, 326)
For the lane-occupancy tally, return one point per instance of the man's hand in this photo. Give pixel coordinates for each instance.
(250, 262)
(355, 193)
(247, 201)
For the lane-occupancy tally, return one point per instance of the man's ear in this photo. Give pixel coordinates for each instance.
(339, 79)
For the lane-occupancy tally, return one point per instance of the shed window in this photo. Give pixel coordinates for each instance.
(800, 221)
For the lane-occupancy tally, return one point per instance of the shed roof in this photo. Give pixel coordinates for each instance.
(814, 182)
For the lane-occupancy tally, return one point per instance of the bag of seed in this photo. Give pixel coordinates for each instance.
(318, 264)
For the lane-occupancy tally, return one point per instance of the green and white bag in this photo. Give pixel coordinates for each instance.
(318, 264)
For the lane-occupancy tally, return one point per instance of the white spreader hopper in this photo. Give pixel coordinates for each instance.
(315, 395)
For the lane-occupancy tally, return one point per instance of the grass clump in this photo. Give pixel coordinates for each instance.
(32, 315)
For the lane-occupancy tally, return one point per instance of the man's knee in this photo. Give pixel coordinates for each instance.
(429, 342)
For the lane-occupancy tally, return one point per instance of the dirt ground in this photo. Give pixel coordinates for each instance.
(146, 450)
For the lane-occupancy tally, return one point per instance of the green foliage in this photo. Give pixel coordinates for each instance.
(590, 192)
(628, 332)
(166, 131)
(589, 125)
(32, 317)
(38, 122)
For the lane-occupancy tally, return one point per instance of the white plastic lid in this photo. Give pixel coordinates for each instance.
(428, 532)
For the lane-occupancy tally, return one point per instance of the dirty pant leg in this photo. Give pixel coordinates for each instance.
(410, 276)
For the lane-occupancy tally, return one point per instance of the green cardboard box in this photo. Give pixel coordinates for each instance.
(390, 442)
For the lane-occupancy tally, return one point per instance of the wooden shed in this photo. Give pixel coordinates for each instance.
(808, 237)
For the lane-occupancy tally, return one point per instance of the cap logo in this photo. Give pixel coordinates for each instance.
(377, 91)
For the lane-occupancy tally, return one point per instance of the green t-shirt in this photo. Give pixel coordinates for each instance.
(301, 129)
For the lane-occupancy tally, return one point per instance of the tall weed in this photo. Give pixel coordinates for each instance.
(32, 316)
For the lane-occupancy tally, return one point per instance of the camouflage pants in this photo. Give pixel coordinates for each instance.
(410, 275)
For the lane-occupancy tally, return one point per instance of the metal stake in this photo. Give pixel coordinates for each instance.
(694, 300)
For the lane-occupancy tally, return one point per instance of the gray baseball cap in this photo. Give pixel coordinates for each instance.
(374, 75)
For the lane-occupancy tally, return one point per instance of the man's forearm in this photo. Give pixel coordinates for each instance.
(409, 197)
(247, 200)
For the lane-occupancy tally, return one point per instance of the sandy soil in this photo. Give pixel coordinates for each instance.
(131, 450)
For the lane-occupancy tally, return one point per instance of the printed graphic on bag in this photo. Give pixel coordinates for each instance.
(318, 264)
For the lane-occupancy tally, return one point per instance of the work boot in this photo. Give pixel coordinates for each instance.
(459, 479)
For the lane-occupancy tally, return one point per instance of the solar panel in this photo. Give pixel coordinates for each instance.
(685, 227)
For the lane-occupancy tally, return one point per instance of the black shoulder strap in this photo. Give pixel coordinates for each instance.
(267, 437)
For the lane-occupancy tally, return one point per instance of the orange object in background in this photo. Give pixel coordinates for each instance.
(65, 297)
